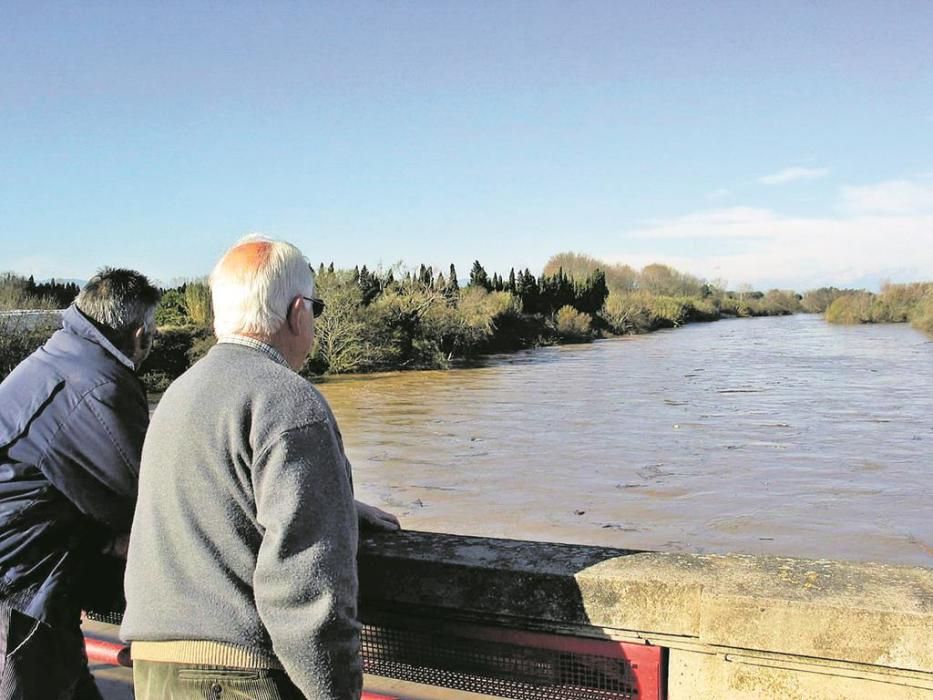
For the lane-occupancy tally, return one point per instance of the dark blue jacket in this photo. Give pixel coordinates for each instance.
(73, 416)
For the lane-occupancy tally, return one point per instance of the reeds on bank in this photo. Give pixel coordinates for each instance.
(896, 303)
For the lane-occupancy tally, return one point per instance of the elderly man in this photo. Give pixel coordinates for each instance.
(73, 416)
(241, 579)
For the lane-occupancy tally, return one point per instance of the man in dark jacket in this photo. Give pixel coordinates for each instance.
(73, 416)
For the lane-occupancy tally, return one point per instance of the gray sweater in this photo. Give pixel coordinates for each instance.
(245, 530)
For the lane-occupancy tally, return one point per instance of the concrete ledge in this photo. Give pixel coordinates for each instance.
(866, 613)
(867, 622)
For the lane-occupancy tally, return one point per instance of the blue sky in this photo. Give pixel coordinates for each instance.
(780, 144)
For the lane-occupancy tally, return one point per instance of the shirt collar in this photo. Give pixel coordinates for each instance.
(266, 349)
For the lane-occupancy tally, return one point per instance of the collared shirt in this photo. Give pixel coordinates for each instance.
(266, 349)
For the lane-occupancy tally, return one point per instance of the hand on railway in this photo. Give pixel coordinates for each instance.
(376, 519)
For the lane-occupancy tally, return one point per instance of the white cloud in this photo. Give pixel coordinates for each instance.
(793, 174)
(734, 222)
(891, 197)
(766, 249)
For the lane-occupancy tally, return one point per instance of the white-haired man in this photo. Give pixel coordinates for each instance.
(241, 578)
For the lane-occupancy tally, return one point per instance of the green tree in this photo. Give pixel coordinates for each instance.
(171, 309)
(370, 286)
(627, 312)
(577, 266)
(478, 277)
(467, 327)
(400, 313)
(816, 301)
(528, 292)
(341, 342)
(666, 281)
(852, 308)
(591, 294)
(198, 304)
(573, 325)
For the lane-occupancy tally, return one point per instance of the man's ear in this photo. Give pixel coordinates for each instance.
(294, 315)
(140, 345)
(137, 341)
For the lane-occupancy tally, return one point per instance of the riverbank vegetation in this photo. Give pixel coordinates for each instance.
(397, 318)
(21, 335)
(896, 303)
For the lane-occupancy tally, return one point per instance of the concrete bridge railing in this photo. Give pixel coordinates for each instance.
(732, 626)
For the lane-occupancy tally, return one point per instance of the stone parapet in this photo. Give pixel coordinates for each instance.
(735, 626)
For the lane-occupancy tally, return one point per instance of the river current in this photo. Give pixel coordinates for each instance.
(781, 436)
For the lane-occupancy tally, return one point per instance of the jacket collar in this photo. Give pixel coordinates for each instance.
(74, 321)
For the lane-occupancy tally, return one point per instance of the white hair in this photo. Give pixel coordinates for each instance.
(253, 284)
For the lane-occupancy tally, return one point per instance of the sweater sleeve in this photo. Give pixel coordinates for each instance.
(94, 457)
(305, 578)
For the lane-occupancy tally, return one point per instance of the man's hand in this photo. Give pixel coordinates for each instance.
(376, 519)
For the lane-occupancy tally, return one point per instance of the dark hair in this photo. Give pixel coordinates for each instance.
(119, 301)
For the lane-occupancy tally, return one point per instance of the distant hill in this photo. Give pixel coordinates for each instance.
(63, 280)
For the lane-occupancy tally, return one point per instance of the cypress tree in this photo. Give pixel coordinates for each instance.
(529, 292)
(426, 276)
(369, 286)
(478, 276)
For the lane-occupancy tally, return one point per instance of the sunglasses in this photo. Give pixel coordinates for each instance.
(317, 305)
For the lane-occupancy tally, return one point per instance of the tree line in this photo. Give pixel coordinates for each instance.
(24, 293)
(537, 295)
(423, 317)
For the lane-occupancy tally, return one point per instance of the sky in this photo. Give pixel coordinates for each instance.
(775, 144)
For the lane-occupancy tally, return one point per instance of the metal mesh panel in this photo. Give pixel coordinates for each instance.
(109, 617)
(444, 659)
(494, 668)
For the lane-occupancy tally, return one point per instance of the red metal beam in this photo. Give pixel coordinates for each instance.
(645, 661)
(109, 653)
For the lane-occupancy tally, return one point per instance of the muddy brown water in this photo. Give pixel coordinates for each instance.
(774, 436)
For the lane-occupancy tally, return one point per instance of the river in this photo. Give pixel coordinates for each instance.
(783, 436)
